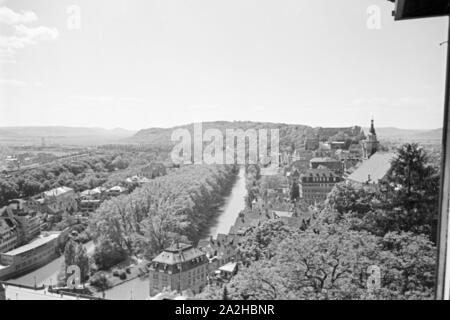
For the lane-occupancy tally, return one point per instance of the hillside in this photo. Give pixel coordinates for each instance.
(290, 135)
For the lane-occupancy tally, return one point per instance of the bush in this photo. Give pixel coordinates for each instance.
(100, 281)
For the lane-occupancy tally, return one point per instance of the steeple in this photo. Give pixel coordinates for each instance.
(372, 127)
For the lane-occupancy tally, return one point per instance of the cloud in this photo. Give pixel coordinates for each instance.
(10, 17)
(21, 35)
(25, 36)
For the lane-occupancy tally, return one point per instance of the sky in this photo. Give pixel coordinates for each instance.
(140, 64)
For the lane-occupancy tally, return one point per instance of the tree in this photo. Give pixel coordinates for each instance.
(225, 293)
(294, 192)
(348, 198)
(258, 244)
(100, 281)
(82, 261)
(107, 254)
(416, 190)
(70, 251)
(74, 254)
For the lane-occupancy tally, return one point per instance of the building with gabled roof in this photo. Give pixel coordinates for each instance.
(372, 170)
(179, 267)
(59, 200)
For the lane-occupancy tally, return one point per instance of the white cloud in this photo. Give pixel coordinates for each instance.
(22, 36)
(25, 36)
(10, 17)
(36, 34)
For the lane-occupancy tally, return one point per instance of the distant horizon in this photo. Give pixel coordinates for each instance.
(212, 121)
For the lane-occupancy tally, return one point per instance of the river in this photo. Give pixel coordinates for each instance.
(138, 288)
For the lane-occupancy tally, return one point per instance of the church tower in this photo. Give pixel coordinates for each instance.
(370, 145)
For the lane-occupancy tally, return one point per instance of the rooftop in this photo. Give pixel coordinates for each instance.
(92, 192)
(280, 214)
(229, 267)
(57, 191)
(178, 253)
(117, 188)
(373, 169)
(324, 159)
(40, 241)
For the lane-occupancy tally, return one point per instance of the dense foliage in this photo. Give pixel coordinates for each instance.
(82, 174)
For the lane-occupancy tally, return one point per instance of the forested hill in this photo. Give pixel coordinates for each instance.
(290, 134)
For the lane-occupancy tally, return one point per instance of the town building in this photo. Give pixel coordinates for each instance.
(373, 170)
(60, 200)
(180, 267)
(323, 151)
(11, 163)
(219, 251)
(327, 162)
(371, 144)
(90, 200)
(93, 194)
(138, 179)
(9, 234)
(312, 142)
(227, 271)
(28, 218)
(30, 256)
(337, 145)
(316, 184)
(116, 191)
(19, 224)
(89, 206)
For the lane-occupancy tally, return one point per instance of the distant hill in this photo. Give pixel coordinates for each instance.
(290, 134)
(407, 134)
(62, 135)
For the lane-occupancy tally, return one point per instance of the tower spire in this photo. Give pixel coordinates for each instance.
(372, 127)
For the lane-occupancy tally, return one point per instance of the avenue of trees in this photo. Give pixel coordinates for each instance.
(171, 207)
